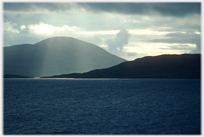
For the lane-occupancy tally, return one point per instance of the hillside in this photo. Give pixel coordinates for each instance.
(55, 56)
(163, 66)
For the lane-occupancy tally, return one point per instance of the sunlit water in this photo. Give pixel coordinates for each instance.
(105, 106)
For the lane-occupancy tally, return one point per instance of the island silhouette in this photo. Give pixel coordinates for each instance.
(56, 55)
(66, 57)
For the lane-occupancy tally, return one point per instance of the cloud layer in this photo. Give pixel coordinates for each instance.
(37, 7)
(166, 9)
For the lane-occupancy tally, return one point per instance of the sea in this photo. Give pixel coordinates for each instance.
(101, 106)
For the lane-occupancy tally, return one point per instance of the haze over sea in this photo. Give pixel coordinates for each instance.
(102, 106)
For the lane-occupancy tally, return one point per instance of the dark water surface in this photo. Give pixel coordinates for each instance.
(105, 106)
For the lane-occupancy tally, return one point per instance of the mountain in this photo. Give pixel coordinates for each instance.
(163, 66)
(55, 56)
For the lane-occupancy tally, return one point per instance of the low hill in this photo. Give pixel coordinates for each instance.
(55, 56)
(163, 66)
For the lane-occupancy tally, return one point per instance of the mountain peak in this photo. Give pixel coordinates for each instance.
(57, 55)
(61, 40)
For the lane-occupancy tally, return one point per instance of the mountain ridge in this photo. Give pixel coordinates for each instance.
(162, 66)
(55, 56)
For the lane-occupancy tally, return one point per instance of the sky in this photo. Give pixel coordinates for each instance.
(129, 30)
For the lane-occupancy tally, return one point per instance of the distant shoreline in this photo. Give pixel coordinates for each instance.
(98, 78)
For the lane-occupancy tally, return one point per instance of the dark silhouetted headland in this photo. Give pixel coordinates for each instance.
(163, 66)
(55, 56)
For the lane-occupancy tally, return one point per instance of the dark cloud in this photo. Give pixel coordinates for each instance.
(177, 9)
(33, 7)
(117, 44)
(125, 8)
(166, 9)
